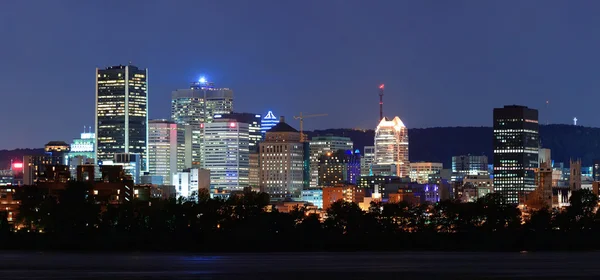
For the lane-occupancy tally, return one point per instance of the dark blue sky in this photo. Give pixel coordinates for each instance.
(444, 63)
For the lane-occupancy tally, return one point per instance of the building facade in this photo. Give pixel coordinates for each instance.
(122, 112)
(282, 162)
(191, 181)
(391, 146)
(268, 122)
(225, 151)
(516, 147)
(194, 106)
(320, 145)
(421, 171)
(165, 154)
(367, 160)
(344, 192)
(464, 165)
(340, 167)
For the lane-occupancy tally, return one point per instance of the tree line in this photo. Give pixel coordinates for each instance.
(73, 220)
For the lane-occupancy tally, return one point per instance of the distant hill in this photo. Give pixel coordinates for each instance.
(439, 144)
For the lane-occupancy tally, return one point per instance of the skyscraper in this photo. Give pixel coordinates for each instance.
(391, 146)
(282, 162)
(122, 112)
(225, 152)
(341, 166)
(367, 159)
(468, 165)
(196, 105)
(320, 145)
(268, 122)
(516, 147)
(165, 156)
(254, 129)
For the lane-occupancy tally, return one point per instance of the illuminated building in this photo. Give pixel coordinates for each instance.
(516, 147)
(254, 171)
(121, 113)
(367, 160)
(196, 105)
(338, 167)
(225, 152)
(464, 165)
(59, 150)
(345, 192)
(82, 151)
(268, 122)
(8, 202)
(254, 128)
(421, 171)
(320, 145)
(282, 162)
(191, 181)
(391, 146)
(165, 154)
(542, 196)
(131, 164)
(313, 196)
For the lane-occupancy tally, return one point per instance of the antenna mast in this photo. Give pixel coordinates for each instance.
(381, 87)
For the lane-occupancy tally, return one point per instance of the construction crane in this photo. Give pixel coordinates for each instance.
(301, 118)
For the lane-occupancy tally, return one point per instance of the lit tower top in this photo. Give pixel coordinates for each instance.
(391, 145)
(268, 121)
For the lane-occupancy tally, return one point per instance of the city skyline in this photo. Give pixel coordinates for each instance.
(431, 58)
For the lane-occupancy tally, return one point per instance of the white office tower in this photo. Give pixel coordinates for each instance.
(391, 146)
(225, 152)
(165, 155)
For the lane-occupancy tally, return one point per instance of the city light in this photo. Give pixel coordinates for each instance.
(17, 165)
(202, 80)
(232, 124)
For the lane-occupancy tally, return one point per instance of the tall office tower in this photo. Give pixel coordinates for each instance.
(196, 105)
(122, 112)
(367, 159)
(320, 145)
(421, 171)
(225, 152)
(516, 147)
(253, 121)
(282, 162)
(575, 175)
(254, 171)
(464, 165)
(165, 157)
(391, 146)
(268, 122)
(341, 166)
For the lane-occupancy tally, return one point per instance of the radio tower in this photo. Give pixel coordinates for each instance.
(381, 87)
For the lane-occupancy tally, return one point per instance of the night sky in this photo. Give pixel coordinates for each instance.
(444, 63)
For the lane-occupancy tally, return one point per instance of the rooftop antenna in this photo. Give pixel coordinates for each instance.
(381, 88)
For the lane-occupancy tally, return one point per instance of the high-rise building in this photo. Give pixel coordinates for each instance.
(391, 146)
(225, 151)
(342, 166)
(516, 148)
(464, 165)
(122, 112)
(254, 129)
(165, 154)
(421, 171)
(320, 145)
(83, 146)
(282, 162)
(268, 122)
(196, 105)
(345, 192)
(367, 160)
